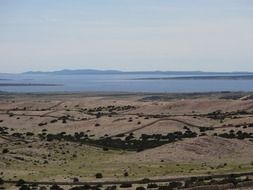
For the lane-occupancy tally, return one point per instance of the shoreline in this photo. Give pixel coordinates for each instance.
(26, 84)
(239, 77)
(148, 95)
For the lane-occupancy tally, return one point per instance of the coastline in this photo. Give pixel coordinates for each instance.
(241, 77)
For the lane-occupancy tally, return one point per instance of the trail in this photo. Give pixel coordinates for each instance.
(156, 121)
(13, 139)
(49, 108)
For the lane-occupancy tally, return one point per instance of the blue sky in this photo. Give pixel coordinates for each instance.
(208, 35)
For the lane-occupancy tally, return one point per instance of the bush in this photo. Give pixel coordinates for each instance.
(126, 174)
(53, 121)
(5, 151)
(232, 179)
(24, 187)
(188, 183)
(152, 185)
(145, 180)
(99, 176)
(42, 188)
(20, 182)
(140, 188)
(55, 187)
(164, 188)
(125, 185)
(111, 188)
(175, 184)
(29, 134)
(75, 179)
(84, 187)
(1, 181)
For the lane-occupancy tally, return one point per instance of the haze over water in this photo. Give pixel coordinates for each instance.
(118, 83)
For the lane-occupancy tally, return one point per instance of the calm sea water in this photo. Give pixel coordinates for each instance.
(119, 83)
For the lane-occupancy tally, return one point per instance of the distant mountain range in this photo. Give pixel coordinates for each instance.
(93, 71)
(75, 72)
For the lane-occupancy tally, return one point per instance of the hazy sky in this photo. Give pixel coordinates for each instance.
(210, 35)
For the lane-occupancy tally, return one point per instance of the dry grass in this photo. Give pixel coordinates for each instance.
(55, 161)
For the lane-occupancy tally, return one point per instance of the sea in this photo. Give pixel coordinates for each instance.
(27, 83)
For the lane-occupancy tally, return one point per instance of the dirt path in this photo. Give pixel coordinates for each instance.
(13, 139)
(53, 111)
(43, 115)
(156, 121)
(169, 119)
(22, 109)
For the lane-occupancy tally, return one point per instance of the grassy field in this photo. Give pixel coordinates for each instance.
(84, 162)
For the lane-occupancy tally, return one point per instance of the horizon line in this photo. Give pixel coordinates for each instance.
(123, 71)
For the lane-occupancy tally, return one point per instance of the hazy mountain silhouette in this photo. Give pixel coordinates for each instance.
(94, 71)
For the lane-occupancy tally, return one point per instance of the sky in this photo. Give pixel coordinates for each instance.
(128, 35)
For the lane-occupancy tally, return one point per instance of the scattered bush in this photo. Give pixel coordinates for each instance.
(130, 142)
